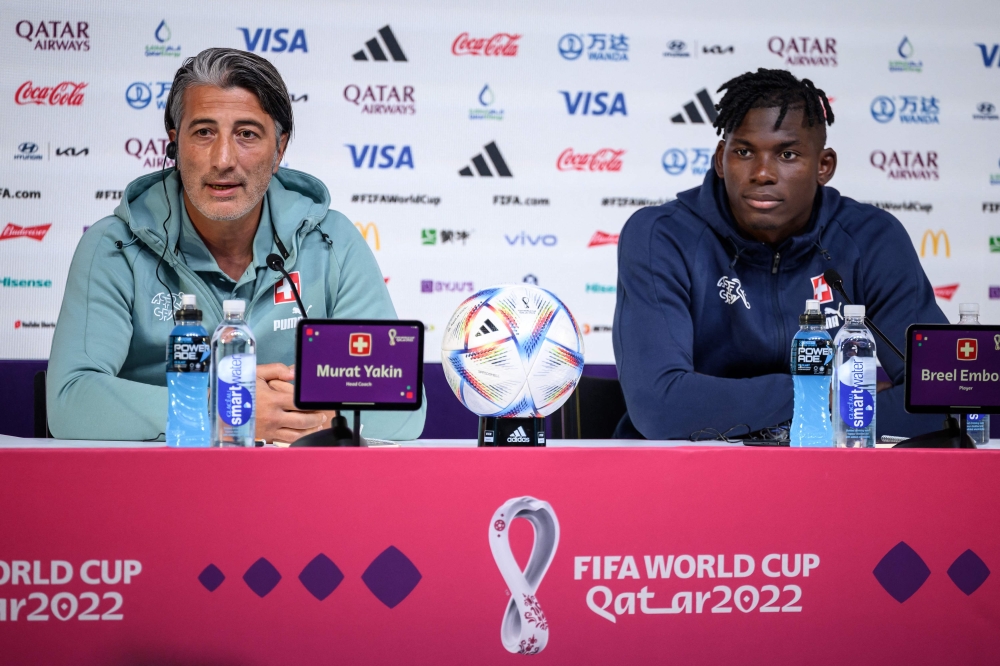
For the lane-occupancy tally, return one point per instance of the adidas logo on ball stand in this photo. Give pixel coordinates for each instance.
(511, 432)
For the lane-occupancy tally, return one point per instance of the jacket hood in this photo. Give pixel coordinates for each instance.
(710, 203)
(296, 201)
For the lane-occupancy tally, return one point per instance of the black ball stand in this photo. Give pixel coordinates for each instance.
(495, 431)
(952, 437)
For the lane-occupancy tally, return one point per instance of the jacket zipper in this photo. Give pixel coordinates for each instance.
(777, 260)
(783, 336)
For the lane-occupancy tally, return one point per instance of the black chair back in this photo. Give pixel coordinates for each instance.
(41, 415)
(592, 412)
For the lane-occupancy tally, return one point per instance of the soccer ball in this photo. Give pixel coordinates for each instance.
(512, 351)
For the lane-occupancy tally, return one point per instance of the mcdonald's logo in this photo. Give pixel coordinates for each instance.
(366, 227)
(936, 238)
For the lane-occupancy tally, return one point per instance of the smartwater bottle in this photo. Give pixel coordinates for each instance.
(187, 377)
(977, 425)
(234, 378)
(812, 366)
(854, 382)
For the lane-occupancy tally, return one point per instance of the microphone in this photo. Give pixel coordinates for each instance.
(836, 282)
(276, 263)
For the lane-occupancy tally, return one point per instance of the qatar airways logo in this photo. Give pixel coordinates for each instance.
(66, 93)
(805, 50)
(605, 159)
(906, 164)
(500, 44)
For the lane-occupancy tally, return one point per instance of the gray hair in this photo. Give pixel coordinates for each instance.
(232, 68)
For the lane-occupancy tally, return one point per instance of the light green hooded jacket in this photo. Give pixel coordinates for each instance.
(107, 369)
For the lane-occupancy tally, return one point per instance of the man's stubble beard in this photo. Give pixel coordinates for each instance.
(254, 195)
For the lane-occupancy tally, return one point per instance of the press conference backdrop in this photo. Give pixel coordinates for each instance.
(482, 143)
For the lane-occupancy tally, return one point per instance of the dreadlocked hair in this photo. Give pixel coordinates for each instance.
(770, 88)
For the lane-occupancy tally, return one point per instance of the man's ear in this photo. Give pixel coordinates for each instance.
(720, 151)
(827, 166)
(282, 144)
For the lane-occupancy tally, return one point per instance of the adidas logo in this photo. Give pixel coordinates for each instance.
(518, 436)
(692, 109)
(376, 51)
(483, 169)
(487, 328)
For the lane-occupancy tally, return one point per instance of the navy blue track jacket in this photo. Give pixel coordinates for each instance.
(704, 318)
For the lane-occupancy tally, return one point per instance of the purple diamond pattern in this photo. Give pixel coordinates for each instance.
(968, 572)
(901, 572)
(211, 578)
(261, 577)
(391, 577)
(321, 577)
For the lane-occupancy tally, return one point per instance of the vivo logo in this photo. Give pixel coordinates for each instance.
(387, 158)
(594, 104)
(548, 240)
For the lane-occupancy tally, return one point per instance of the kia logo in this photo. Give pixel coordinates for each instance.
(28, 148)
(138, 95)
(883, 109)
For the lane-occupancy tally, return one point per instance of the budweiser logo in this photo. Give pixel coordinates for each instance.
(14, 231)
(66, 93)
(500, 44)
(946, 291)
(605, 159)
(602, 238)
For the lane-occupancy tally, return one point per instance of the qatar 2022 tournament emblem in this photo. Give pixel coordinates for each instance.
(524, 629)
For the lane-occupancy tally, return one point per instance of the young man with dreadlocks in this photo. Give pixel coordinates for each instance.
(710, 286)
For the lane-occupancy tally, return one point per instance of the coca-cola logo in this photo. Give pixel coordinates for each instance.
(15, 231)
(66, 93)
(605, 159)
(500, 44)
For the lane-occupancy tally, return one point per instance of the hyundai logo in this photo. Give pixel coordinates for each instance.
(28, 148)
(674, 161)
(883, 109)
(676, 45)
(138, 95)
(570, 46)
(986, 107)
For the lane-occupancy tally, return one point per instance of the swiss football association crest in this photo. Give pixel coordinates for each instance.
(524, 628)
(821, 290)
(360, 344)
(283, 290)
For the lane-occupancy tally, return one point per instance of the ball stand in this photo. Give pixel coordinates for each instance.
(495, 431)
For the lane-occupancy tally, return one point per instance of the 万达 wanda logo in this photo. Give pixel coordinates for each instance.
(66, 93)
(500, 44)
(912, 109)
(55, 35)
(805, 50)
(604, 159)
(906, 164)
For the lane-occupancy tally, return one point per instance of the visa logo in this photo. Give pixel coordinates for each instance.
(275, 41)
(387, 158)
(594, 104)
(548, 240)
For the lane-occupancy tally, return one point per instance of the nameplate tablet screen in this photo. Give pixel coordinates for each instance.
(952, 369)
(359, 364)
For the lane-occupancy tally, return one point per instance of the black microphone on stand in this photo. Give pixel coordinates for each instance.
(276, 263)
(836, 282)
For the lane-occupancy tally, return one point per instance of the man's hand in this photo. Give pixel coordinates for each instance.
(277, 417)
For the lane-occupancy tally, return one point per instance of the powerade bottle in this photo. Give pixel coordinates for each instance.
(977, 425)
(187, 377)
(234, 379)
(812, 367)
(854, 382)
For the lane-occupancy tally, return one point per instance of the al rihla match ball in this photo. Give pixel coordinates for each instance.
(512, 351)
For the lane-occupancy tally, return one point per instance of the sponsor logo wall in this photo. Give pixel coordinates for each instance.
(491, 147)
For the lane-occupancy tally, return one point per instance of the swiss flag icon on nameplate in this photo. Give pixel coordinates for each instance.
(968, 349)
(821, 290)
(360, 344)
(283, 291)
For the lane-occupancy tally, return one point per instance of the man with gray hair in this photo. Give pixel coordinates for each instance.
(205, 227)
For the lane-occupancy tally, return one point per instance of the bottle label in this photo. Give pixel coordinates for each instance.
(188, 353)
(857, 391)
(237, 385)
(812, 357)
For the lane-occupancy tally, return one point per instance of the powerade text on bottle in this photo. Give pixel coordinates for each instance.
(234, 379)
(187, 378)
(977, 425)
(854, 382)
(812, 366)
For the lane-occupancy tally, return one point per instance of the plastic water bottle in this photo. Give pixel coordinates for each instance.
(812, 367)
(977, 425)
(187, 377)
(854, 382)
(234, 379)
